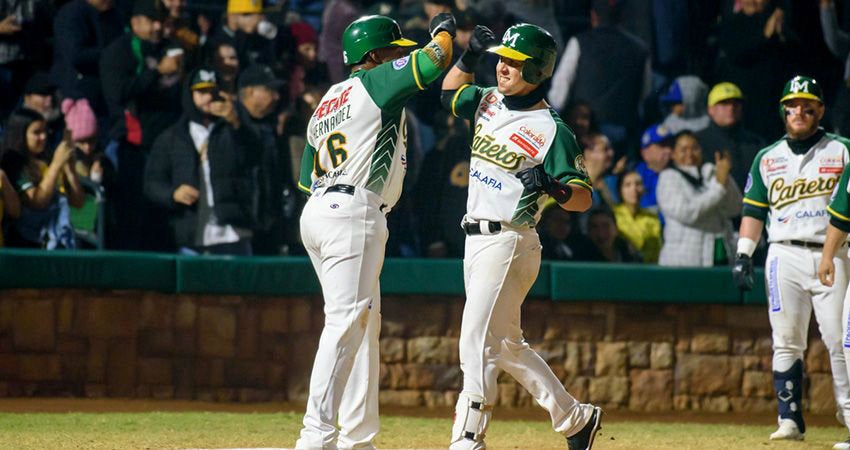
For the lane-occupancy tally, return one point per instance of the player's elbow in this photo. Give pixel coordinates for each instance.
(446, 98)
(580, 201)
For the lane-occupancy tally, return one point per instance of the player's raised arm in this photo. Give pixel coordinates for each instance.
(390, 76)
(459, 96)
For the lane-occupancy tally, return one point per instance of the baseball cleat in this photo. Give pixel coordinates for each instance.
(843, 445)
(787, 431)
(583, 440)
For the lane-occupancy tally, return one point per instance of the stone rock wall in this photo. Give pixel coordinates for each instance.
(643, 357)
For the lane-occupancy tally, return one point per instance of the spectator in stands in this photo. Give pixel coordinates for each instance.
(85, 28)
(726, 133)
(307, 70)
(46, 191)
(640, 227)
(141, 82)
(247, 30)
(225, 61)
(176, 27)
(39, 93)
(24, 28)
(686, 102)
(603, 172)
(259, 93)
(608, 245)
(81, 124)
(338, 14)
(698, 200)
(610, 69)
(579, 117)
(656, 147)
(10, 205)
(200, 171)
(560, 236)
(838, 42)
(755, 45)
(441, 193)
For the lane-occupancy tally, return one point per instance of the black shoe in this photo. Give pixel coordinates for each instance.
(583, 440)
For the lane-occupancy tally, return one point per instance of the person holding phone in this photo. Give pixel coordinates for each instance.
(46, 191)
(199, 171)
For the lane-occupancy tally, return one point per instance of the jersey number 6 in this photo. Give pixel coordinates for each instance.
(336, 153)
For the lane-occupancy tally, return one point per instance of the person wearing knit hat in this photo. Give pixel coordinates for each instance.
(79, 119)
(308, 70)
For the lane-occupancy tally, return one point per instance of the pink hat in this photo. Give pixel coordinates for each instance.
(79, 118)
(303, 33)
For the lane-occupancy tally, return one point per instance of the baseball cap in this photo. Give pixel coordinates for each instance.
(259, 75)
(203, 78)
(244, 6)
(724, 91)
(39, 84)
(674, 93)
(147, 8)
(654, 135)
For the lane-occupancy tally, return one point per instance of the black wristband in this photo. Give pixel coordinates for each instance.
(468, 61)
(560, 192)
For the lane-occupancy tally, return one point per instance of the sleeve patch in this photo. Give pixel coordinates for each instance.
(579, 163)
(401, 63)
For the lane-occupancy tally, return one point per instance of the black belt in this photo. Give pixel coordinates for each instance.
(343, 188)
(805, 244)
(471, 228)
(347, 189)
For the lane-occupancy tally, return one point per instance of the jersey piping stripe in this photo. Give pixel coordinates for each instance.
(836, 215)
(416, 70)
(303, 188)
(750, 201)
(581, 183)
(454, 99)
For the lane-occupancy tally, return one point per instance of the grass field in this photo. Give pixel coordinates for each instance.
(218, 429)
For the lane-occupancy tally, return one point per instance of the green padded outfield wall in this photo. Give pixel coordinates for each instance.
(294, 276)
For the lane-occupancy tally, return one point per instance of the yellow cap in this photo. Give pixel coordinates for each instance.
(244, 6)
(724, 91)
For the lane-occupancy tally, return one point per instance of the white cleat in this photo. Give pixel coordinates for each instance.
(844, 445)
(787, 431)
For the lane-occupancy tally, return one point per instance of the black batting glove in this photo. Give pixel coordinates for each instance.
(443, 22)
(537, 180)
(482, 39)
(742, 272)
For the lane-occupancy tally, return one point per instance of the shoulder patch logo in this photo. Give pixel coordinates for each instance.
(400, 63)
(579, 162)
(749, 183)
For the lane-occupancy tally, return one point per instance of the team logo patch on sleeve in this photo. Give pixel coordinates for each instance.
(579, 162)
(401, 62)
(749, 183)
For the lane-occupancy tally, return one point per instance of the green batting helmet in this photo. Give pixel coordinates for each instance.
(802, 87)
(369, 33)
(532, 45)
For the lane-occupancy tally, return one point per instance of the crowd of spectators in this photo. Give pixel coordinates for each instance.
(178, 125)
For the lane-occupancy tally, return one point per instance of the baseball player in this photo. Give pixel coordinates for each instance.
(836, 241)
(522, 153)
(791, 182)
(353, 166)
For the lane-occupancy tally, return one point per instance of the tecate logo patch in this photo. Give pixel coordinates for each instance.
(523, 144)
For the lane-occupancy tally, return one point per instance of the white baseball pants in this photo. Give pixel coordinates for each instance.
(499, 270)
(793, 292)
(345, 236)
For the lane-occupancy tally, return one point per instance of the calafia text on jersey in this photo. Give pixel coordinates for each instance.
(485, 147)
(781, 194)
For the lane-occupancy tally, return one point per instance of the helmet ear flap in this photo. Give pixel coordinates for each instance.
(531, 72)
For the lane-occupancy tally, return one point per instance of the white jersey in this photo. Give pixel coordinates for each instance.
(795, 189)
(506, 142)
(357, 135)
